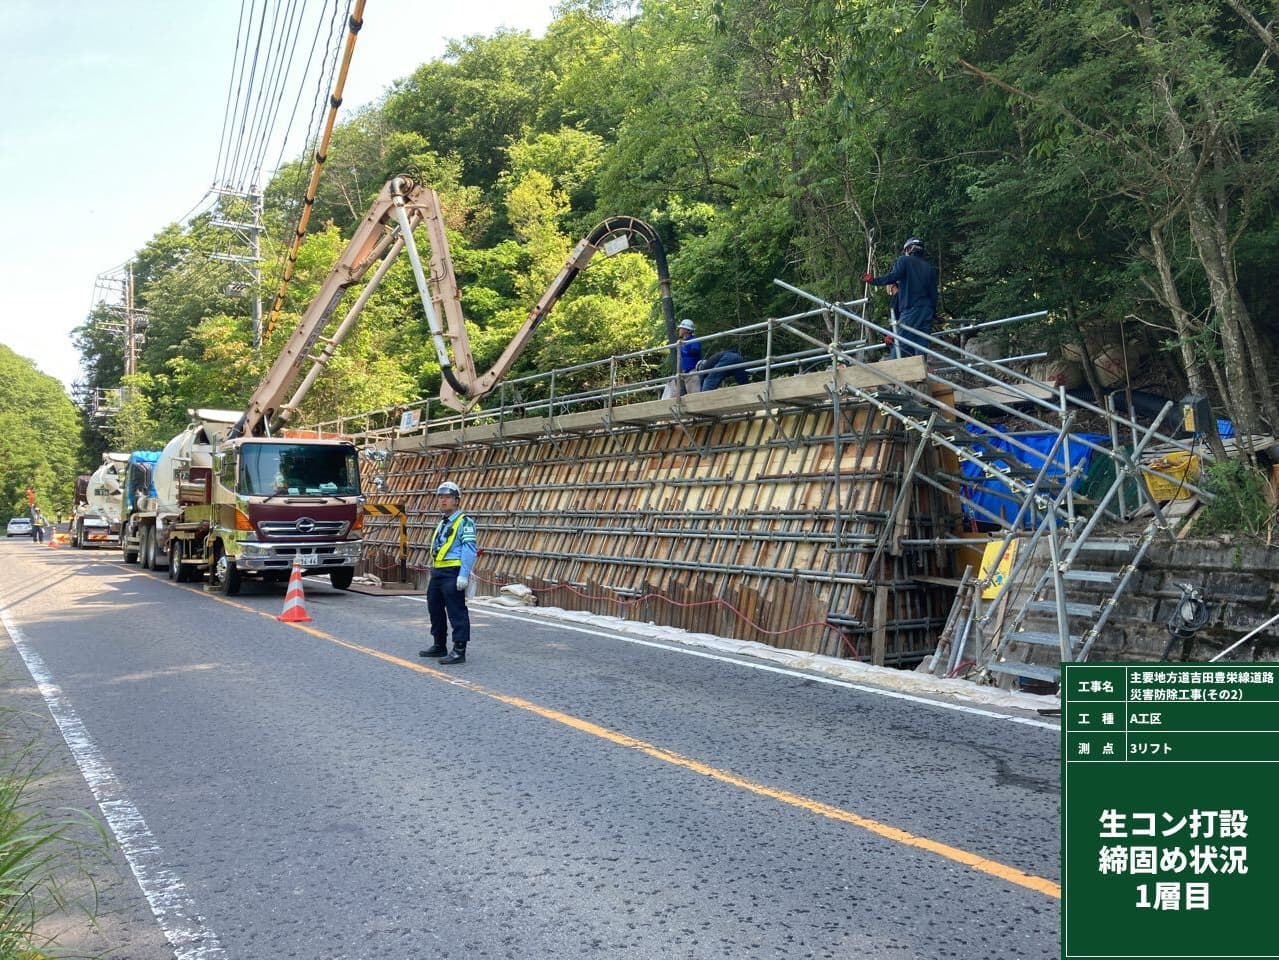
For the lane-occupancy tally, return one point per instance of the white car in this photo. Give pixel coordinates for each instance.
(18, 527)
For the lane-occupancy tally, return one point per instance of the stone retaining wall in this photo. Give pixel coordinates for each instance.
(1240, 582)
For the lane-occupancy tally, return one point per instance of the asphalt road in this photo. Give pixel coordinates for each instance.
(321, 792)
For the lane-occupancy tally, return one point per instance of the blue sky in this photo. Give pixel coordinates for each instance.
(112, 125)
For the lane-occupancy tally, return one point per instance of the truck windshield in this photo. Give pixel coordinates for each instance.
(268, 469)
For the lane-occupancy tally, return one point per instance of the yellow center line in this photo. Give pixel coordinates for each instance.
(981, 864)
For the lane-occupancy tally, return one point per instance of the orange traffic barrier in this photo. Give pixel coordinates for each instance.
(294, 608)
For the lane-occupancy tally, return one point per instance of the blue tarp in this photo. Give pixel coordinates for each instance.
(995, 496)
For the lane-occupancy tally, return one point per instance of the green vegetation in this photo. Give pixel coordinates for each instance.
(1112, 161)
(40, 444)
(38, 859)
(1245, 502)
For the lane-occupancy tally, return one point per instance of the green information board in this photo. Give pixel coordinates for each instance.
(1170, 811)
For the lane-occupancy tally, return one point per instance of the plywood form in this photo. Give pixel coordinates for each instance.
(735, 523)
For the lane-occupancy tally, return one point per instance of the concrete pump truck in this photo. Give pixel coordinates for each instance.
(236, 495)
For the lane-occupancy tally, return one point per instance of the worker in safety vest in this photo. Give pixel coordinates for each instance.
(453, 552)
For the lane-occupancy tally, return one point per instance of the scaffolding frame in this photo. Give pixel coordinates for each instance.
(869, 496)
(1056, 523)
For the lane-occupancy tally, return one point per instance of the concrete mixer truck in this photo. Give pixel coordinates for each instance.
(95, 521)
(237, 507)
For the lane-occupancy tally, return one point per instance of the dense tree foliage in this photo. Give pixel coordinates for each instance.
(1111, 161)
(39, 439)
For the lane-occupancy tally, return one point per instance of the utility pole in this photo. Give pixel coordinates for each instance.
(130, 326)
(248, 236)
(128, 322)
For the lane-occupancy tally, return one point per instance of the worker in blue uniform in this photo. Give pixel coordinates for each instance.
(916, 281)
(453, 553)
(690, 354)
(726, 363)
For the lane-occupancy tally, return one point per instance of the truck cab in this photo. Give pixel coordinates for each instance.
(281, 499)
(251, 506)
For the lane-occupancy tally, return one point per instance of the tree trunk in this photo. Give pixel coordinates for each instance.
(1185, 324)
(1208, 232)
(1231, 312)
(1254, 347)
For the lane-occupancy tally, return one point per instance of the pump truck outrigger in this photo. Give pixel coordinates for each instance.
(237, 499)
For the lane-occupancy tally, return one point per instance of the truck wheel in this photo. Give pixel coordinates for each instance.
(341, 578)
(159, 557)
(75, 537)
(130, 556)
(146, 549)
(175, 563)
(224, 576)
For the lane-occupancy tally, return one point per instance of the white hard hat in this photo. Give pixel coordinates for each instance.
(450, 488)
(686, 324)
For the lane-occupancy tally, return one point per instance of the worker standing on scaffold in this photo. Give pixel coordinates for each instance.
(453, 552)
(916, 281)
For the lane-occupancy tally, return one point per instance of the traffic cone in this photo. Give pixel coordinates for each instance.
(294, 609)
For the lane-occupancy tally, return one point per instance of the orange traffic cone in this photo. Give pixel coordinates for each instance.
(294, 610)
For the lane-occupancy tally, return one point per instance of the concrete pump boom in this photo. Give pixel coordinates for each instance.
(386, 230)
(617, 231)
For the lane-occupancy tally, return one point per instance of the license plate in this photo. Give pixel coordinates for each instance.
(310, 560)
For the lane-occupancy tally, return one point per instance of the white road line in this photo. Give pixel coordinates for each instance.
(766, 668)
(173, 908)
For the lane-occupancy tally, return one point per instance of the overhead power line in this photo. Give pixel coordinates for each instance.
(313, 126)
(268, 72)
(230, 91)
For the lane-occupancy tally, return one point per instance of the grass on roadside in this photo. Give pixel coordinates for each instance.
(38, 858)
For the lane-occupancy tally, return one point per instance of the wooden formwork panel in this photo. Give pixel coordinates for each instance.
(753, 524)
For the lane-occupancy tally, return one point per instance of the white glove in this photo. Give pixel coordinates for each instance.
(462, 582)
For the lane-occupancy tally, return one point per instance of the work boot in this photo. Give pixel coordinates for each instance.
(457, 656)
(437, 650)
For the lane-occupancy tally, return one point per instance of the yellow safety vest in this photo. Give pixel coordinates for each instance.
(440, 554)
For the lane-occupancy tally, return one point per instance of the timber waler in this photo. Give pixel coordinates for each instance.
(236, 495)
